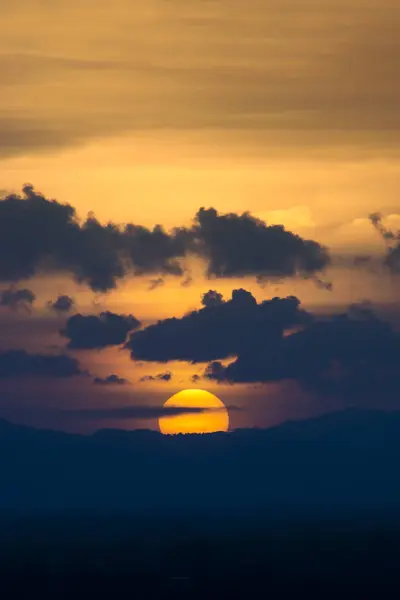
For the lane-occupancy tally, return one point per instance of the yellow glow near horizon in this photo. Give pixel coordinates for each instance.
(209, 421)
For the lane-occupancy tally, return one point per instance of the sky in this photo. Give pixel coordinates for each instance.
(280, 120)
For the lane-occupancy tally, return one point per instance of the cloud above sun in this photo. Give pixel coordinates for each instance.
(267, 341)
(226, 212)
(217, 331)
(98, 331)
(41, 235)
(236, 340)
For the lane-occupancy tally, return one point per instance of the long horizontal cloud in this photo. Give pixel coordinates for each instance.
(98, 331)
(218, 330)
(37, 234)
(141, 412)
(19, 363)
(354, 355)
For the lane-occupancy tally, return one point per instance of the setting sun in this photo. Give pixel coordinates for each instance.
(214, 418)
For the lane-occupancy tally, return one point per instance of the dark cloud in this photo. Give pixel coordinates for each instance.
(155, 251)
(37, 234)
(98, 331)
(63, 304)
(187, 281)
(355, 355)
(32, 229)
(141, 412)
(41, 235)
(323, 285)
(392, 239)
(156, 283)
(218, 331)
(239, 245)
(377, 221)
(211, 299)
(167, 376)
(17, 298)
(18, 363)
(110, 380)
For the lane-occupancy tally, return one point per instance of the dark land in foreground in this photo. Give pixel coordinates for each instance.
(76, 558)
(308, 508)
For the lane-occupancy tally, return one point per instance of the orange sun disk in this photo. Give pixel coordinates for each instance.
(214, 418)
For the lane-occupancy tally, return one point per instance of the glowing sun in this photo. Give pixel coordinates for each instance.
(213, 418)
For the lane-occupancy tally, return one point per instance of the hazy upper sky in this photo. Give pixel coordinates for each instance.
(267, 105)
(276, 73)
(144, 112)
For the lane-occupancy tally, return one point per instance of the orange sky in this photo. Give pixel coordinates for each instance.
(144, 112)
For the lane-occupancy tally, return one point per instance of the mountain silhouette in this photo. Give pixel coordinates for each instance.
(336, 465)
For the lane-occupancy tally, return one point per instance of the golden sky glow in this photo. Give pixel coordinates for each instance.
(145, 111)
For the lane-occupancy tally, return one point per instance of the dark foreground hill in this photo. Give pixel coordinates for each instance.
(309, 507)
(337, 465)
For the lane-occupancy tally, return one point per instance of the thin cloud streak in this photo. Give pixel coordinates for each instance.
(140, 412)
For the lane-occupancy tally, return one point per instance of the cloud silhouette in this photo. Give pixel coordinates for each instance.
(63, 304)
(167, 376)
(218, 331)
(212, 298)
(37, 234)
(141, 412)
(354, 355)
(156, 283)
(110, 380)
(238, 245)
(40, 234)
(17, 298)
(392, 239)
(19, 363)
(98, 331)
